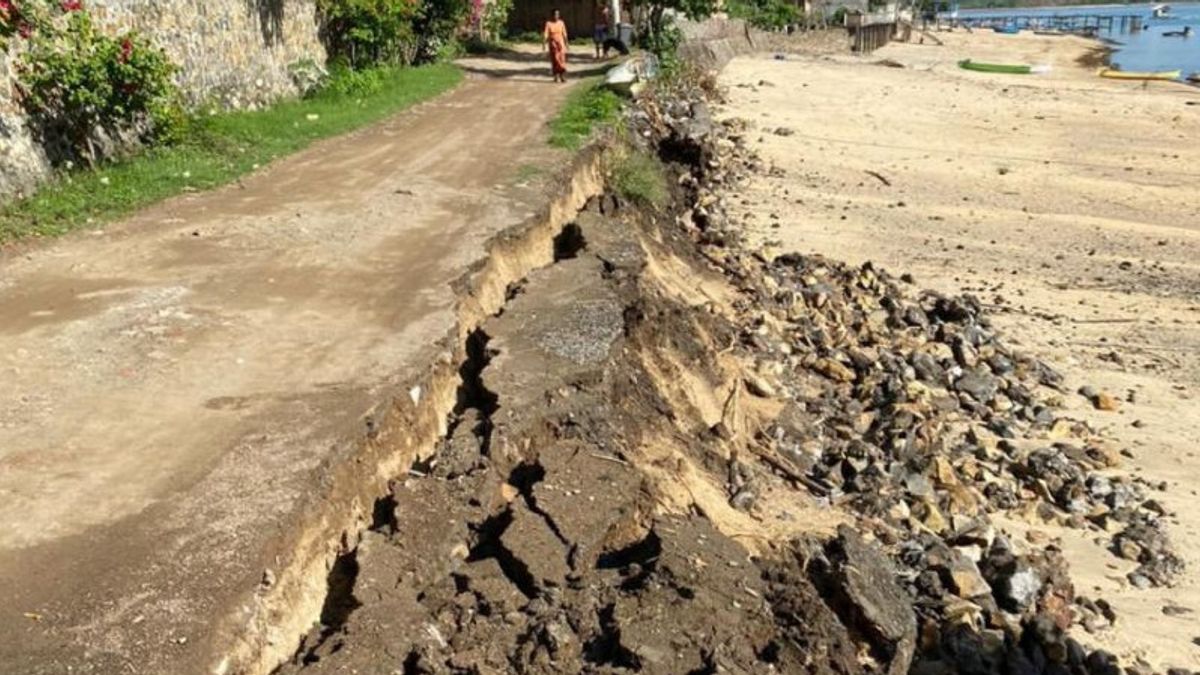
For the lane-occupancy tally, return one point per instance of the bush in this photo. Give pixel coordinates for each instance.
(664, 37)
(765, 14)
(76, 81)
(438, 22)
(308, 76)
(638, 177)
(490, 20)
(345, 82)
(364, 32)
(663, 40)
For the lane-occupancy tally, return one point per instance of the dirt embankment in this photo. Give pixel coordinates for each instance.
(673, 452)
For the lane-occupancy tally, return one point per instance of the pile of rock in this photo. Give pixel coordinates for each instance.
(907, 408)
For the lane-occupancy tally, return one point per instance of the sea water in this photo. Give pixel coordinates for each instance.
(1147, 49)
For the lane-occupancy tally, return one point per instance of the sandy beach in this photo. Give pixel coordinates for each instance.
(1069, 204)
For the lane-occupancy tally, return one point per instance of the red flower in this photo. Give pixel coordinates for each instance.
(71, 5)
(126, 50)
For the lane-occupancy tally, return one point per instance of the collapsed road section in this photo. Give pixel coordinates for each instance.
(576, 516)
(672, 454)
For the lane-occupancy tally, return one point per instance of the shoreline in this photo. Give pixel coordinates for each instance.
(987, 10)
(1132, 50)
(1099, 56)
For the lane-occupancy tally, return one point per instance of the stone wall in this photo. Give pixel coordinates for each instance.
(231, 54)
(712, 43)
(23, 164)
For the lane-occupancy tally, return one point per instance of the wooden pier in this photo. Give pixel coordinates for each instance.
(1067, 23)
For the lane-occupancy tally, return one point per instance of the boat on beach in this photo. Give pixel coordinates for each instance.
(1005, 68)
(1007, 30)
(630, 76)
(1141, 74)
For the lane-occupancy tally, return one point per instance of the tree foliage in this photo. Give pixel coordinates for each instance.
(765, 14)
(663, 36)
(364, 33)
(494, 18)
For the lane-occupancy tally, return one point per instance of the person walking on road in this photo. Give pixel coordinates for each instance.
(555, 35)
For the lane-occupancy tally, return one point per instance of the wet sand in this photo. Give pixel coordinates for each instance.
(1068, 203)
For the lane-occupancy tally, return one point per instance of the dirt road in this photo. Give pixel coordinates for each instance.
(1066, 202)
(175, 386)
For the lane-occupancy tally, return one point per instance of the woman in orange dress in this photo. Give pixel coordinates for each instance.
(555, 34)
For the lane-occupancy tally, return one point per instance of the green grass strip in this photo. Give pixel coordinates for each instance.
(589, 106)
(639, 177)
(215, 150)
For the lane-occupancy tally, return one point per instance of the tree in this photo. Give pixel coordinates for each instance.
(437, 23)
(364, 32)
(766, 14)
(664, 37)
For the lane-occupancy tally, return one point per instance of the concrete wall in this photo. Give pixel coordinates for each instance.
(232, 53)
(713, 42)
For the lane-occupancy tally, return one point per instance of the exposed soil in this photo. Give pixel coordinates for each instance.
(576, 517)
(674, 452)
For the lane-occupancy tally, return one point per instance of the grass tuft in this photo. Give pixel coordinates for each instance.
(589, 106)
(217, 149)
(638, 177)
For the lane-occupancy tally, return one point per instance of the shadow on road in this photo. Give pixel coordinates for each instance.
(519, 64)
(537, 73)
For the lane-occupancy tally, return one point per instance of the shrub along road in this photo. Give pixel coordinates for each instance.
(172, 386)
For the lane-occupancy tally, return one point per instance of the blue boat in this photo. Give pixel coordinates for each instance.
(1011, 29)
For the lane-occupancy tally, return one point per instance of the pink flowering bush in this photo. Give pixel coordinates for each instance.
(77, 82)
(15, 19)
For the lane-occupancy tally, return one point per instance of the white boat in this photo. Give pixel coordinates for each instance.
(630, 76)
(1160, 11)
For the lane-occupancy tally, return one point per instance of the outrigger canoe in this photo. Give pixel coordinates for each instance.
(1014, 69)
(1141, 75)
